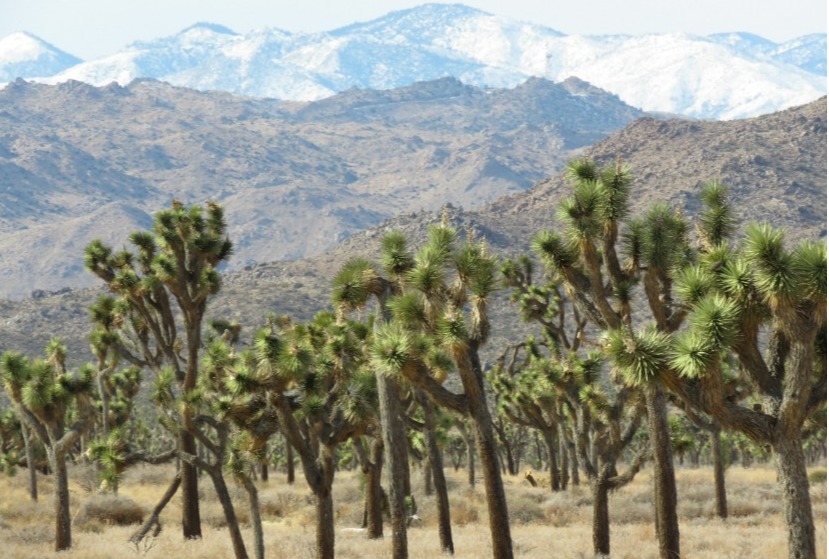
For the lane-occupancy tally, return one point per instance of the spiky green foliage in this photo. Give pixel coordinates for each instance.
(580, 212)
(553, 251)
(809, 262)
(614, 193)
(395, 257)
(639, 357)
(353, 284)
(392, 350)
(772, 265)
(663, 239)
(581, 170)
(716, 219)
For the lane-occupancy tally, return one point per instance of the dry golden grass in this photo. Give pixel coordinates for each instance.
(543, 525)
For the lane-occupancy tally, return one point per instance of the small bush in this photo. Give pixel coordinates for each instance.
(818, 475)
(280, 505)
(108, 509)
(35, 534)
(464, 509)
(525, 509)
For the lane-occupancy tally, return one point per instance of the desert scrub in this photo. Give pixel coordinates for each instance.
(525, 507)
(108, 510)
(465, 507)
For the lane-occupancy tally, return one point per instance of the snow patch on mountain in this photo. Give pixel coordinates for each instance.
(23, 55)
(728, 75)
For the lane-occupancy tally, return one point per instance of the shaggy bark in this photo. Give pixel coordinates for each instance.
(436, 465)
(30, 460)
(552, 460)
(797, 506)
(63, 520)
(471, 377)
(665, 499)
(601, 516)
(719, 474)
(190, 515)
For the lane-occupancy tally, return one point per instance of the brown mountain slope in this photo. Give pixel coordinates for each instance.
(296, 179)
(776, 166)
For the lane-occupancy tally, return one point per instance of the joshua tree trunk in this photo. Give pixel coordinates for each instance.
(325, 523)
(394, 439)
(565, 464)
(665, 500)
(152, 521)
(574, 463)
(63, 520)
(719, 473)
(190, 516)
(255, 517)
(601, 516)
(436, 465)
(469, 439)
(552, 460)
(289, 462)
(30, 460)
(230, 514)
(470, 373)
(374, 491)
(428, 485)
(394, 443)
(797, 506)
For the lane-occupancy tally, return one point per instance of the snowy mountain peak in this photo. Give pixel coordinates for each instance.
(24, 55)
(23, 46)
(211, 27)
(727, 75)
(418, 19)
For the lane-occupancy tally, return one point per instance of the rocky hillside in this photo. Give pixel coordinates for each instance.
(775, 165)
(79, 162)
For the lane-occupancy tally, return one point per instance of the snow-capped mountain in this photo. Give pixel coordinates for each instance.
(23, 55)
(721, 76)
(807, 52)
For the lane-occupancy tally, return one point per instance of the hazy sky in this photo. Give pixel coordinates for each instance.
(94, 28)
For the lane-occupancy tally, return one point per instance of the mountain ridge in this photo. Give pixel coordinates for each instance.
(351, 160)
(775, 167)
(696, 76)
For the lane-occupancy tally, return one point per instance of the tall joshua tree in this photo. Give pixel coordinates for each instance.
(743, 300)
(56, 406)
(322, 396)
(160, 292)
(354, 286)
(438, 321)
(586, 259)
(548, 384)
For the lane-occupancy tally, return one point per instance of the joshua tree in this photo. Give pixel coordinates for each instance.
(371, 464)
(355, 284)
(438, 322)
(56, 406)
(743, 300)
(523, 402)
(536, 380)
(14, 437)
(433, 471)
(321, 395)
(587, 262)
(155, 318)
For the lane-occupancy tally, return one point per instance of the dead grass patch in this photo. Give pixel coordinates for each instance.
(544, 523)
(108, 510)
